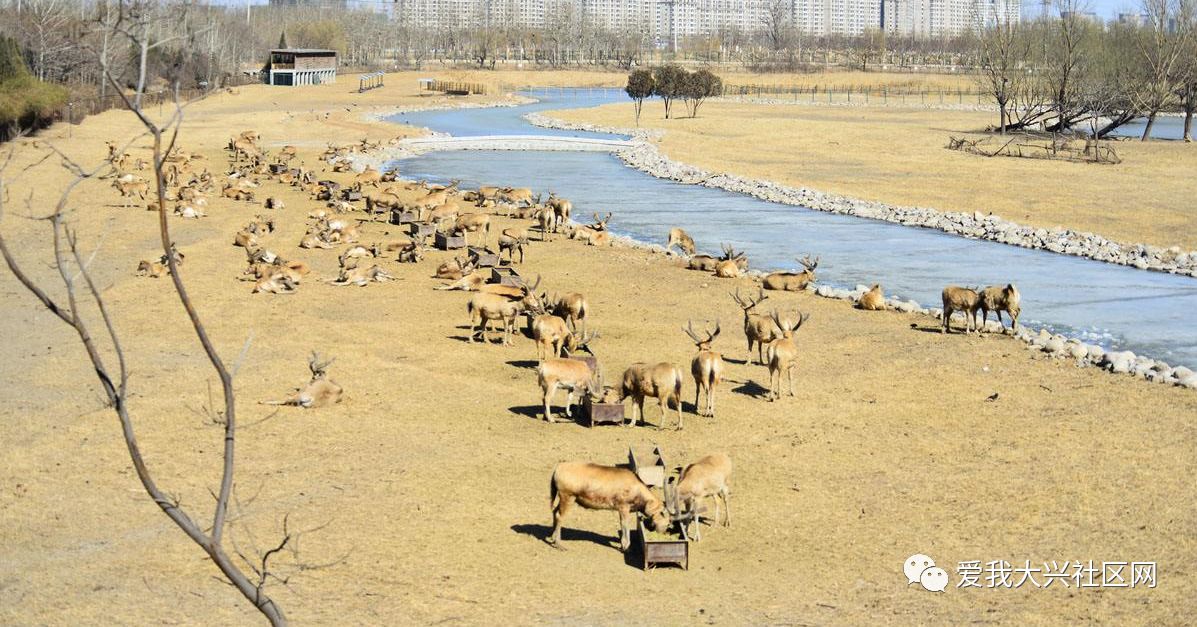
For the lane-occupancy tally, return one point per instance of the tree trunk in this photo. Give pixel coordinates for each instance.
(1188, 125)
(1147, 129)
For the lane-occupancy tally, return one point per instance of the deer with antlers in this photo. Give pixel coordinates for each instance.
(486, 307)
(793, 281)
(706, 368)
(551, 333)
(321, 391)
(783, 353)
(732, 265)
(758, 328)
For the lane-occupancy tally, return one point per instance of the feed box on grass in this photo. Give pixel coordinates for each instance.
(504, 275)
(351, 194)
(659, 548)
(421, 230)
(483, 258)
(403, 216)
(602, 413)
(444, 241)
(278, 168)
(649, 465)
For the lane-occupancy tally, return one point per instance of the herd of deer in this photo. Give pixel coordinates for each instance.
(557, 325)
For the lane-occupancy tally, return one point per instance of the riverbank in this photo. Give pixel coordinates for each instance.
(876, 158)
(428, 482)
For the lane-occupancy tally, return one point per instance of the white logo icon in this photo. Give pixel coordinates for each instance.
(922, 570)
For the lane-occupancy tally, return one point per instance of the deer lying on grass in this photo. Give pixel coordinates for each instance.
(484, 308)
(321, 391)
(732, 265)
(454, 269)
(997, 299)
(783, 354)
(960, 299)
(607, 488)
(599, 224)
(572, 375)
(591, 237)
(662, 381)
(412, 252)
(705, 478)
(152, 269)
(188, 212)
(359, 252)
(275, 283)
(793, 281)
(131, 187)
(872, 300)
(706, 368)
(681, 239)
(352, 274)
(512, 241)
(236, 193)
(573, 308)
(703, 263)
(758, 328)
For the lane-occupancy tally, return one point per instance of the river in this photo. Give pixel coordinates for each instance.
(1115, 306)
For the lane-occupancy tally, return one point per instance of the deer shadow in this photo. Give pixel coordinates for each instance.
(751, 388)
(542, 532)
(530, 364)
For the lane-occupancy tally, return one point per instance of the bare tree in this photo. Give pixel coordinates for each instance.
(1003, 49)
(74, 273)
(1160, 45)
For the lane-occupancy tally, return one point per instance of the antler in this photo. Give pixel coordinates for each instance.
(711, 336)
(689, 329)
(318, 367)
(808, 264)
(801, 318)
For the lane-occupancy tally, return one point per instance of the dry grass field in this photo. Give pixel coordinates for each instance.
(898, 156)
(430, 481)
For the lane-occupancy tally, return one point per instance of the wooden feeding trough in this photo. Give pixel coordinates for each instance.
(403, 216)
(602, 413)
(648, 464)
(656, 551)
(483, 258)
(445, 241)
(504, 275)
(351, 195)
(278, 168)
(420, 231)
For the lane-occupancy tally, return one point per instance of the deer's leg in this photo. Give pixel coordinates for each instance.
(790, 377)
(564, 503)
(569, 402)
(697, 388)
(625, 532)
(548, 399)
(726, 507)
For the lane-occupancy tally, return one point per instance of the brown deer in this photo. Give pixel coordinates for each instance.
(485, 307)
(705, 478)
(573, 308)
(571, 374)
(961, 299)
(732, 265)
(706, 368)
(512, 241)
(662, 381)
(681, 239)
(793, 281)
(997, 298)
(758, 328)
(454, 269)
(561, 209)
(872, 300)
(783, 354)
(467, 223)
(321, 391)
(603, 487)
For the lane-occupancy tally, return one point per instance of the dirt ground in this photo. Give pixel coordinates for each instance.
(898, 156)
(429, 483)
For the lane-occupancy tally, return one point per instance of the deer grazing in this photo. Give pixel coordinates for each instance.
(605, 488)
(706, 368)
(783, 353)
(705, 478)
(552, 334)
(681, 239)
(872, 300)
(793, 281)
(960, 299)
(732, 265)
(758, 328)
(997, 299)
(467, 223)
(662, 381)
(512, 241)
(485, 307)
(321, 391)
(572, 375)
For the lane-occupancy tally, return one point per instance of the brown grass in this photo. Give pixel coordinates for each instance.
(432, 475)
(899, 156)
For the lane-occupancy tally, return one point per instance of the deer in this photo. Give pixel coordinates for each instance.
(574, 376)
(561, 208)
(732, 265)
(783, 354)
(467, 223)
(188, 212)
(359, 252)
(547, 220)
(705, 478)
(702, 263)
(352, 274)
(321, 391)
(275, 283)
(413, 252)
(997, 298)
(793, 281)
(455, 269)
(961, 299)
(662, 381)
(369, 176)
(512, 241)
(706, 368)
(485, 307)
(681, 239)
(551, 333)
(758, 328)
(591, 237)
(517, 196)
(573, 308)
(152, 269)
(599, 224)
(872, 300)
(443, 213)
(274, 203)
(132, 187)
(607, 488)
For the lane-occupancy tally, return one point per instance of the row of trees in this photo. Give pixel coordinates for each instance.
(1068, 71)
(670, 83)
